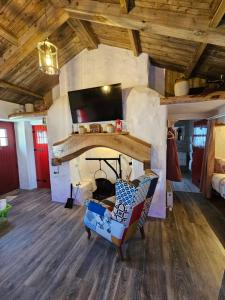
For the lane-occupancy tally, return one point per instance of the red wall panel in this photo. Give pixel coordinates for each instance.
(41, 156)
(9, 178)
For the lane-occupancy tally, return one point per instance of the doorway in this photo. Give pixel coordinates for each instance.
(190, 140)
(9, 178)
(41, 155)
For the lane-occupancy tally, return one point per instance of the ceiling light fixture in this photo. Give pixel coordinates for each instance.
(48, 56)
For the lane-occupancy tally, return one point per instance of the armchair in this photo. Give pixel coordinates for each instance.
(119, 223)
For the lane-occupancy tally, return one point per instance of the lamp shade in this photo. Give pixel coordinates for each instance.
(48, 58)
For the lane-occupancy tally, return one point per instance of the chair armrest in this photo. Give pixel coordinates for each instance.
(97, 207)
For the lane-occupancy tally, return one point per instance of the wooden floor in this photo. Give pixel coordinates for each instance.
(45, 254)
(185, 185)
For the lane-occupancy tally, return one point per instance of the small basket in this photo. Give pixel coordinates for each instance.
(4, 214)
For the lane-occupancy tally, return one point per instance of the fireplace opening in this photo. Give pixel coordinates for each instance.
(105, 188)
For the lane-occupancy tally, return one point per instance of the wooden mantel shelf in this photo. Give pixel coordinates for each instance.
(218, 95)
(28, 115)
(125, 143)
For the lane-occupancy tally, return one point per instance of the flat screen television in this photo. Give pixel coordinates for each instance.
(97, 104)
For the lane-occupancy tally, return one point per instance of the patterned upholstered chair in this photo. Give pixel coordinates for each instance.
(119, 223)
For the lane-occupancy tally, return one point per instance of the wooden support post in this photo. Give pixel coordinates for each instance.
(126, 5)
(135, 41)
(142, 232)
(120, 252)
(88, 232)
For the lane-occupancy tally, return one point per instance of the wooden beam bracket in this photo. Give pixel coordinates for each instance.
(126, 6)
(135, 41)
(85, 32)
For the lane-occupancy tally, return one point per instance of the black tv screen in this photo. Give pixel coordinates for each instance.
(97, 104)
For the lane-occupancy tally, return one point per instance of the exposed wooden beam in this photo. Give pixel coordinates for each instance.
(28, 42)
(217, 17)
(9, 36)
(155, 16)
(18, 89)
(219, 95)
(84, 31)
(195, 59)
(110, 15)
(134, 41)
(126, 5)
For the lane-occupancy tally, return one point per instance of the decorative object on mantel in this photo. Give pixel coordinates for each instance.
(110, 128)
(29, 107)
(21, 109)
(181, 87)
(95, 128)
(48, 55)
(118, 126)
(39, 105)
(82, 129)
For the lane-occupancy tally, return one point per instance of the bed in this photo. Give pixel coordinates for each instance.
(218, 178)
(218, 183)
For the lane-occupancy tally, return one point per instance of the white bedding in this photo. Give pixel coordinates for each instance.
(218, 183)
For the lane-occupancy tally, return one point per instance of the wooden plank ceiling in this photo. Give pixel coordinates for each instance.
(186, 36)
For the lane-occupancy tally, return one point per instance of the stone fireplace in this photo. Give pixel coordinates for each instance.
(144, 117)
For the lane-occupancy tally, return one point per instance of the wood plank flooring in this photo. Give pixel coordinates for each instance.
(45, 254)
(185, 185)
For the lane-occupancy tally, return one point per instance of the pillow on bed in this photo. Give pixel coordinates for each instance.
(219, 165)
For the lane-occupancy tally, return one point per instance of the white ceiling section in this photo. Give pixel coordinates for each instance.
(189, 111)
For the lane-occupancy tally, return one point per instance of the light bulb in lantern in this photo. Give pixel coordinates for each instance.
(48, 58)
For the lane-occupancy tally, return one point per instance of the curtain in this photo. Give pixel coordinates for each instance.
(208, 161)
(173, 172)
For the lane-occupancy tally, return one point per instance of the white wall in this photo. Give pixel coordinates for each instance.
(59, 128)
(145, 118)
(7, 108)
(157, 79)
(220, 142)
(25, 155)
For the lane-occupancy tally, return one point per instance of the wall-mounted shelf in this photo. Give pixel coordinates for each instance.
(76, 144)
(26, 115)
(217, 95)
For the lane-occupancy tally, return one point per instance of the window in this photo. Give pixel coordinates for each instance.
(3, 137)
(199, 137)
(42, 137)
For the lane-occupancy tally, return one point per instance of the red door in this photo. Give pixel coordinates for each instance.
(199, 138)
(41, 156)
(9, 178)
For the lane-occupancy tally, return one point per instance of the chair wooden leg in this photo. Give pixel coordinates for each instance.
(120, 252)
(88, 232)
(142, 232)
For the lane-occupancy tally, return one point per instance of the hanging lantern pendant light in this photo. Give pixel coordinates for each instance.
(48, 55)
